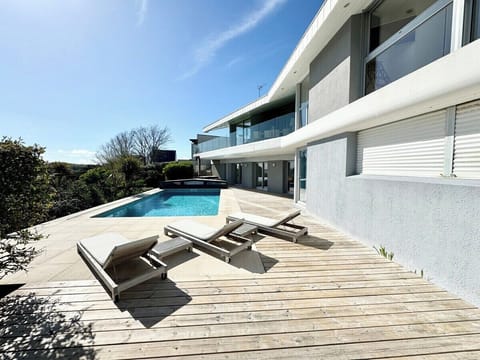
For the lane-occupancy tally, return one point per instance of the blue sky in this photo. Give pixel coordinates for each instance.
(74, 73)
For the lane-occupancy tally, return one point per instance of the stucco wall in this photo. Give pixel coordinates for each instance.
(335, 74)
(275, 177)
(429, 224)
(247, 176)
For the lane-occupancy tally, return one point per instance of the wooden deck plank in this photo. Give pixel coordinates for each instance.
(291, 333)
(290, 286)
(102, 300)
(267, 321)
(146, 343)
(442, 347)
(326, 296)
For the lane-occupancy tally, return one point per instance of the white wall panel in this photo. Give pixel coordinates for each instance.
(412, 147)
(466, 157)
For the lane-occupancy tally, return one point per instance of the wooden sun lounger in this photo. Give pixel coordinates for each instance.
(120, 263)
(277, 227)
(223, 241)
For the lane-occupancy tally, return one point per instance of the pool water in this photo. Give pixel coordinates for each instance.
(178, 202)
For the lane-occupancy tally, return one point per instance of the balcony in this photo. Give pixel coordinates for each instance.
(246, 133)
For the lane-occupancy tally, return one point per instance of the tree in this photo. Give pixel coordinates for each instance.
(120, 145)
(25, 192)
(142, 142)
(149, 139)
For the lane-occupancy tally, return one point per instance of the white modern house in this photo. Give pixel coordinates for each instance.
(373, 125)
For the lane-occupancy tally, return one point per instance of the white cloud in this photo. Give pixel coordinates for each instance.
(207, 51)
(142, 7)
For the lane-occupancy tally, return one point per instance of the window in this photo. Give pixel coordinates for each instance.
(261, 175)
(302, 175)
(472, 21)
(290, 176)
(392, 15)
(411, 147)
(303, 106)
(475, 31)
(422, 145)
(238, 173)
(404, 36)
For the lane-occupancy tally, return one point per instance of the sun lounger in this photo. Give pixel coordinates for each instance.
(121, 263)
(220, 241)
(279, 227)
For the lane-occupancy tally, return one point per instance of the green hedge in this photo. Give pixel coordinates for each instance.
(178, 170)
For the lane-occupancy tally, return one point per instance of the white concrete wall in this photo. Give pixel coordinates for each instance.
(430, 224)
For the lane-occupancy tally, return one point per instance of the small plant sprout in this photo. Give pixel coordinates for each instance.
(382, 251)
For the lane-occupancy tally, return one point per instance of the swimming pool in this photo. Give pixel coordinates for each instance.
(178, 202)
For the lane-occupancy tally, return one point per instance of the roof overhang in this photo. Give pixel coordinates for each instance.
(329, 19)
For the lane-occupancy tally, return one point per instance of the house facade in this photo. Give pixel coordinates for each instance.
(373, 125)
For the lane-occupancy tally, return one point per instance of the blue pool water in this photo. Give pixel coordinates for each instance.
(178, 202)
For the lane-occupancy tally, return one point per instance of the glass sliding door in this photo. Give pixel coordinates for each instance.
(302, 175)
(290, 176)
(238, 174)
(261, 175)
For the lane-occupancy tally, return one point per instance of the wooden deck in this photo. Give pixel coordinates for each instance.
(324, 297)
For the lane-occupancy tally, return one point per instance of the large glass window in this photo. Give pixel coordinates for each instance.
(475, 32)
(472, 21)
(399, 49)
(302, 175)
(392, 15)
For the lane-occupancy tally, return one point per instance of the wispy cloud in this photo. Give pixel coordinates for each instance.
(234, 62)
(209, 48)
(142, 8)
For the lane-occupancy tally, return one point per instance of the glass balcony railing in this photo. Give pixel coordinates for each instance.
(279, 126)
(213, 144)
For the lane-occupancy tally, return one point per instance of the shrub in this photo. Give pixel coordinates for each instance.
(153, 174)
(178, 170)
(25, 192)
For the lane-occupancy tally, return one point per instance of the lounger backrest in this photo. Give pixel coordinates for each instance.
(130, 250)
(287, 218)
(227, 229)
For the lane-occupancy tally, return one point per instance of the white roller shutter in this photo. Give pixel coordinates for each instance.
(466, 158)
(412, 147)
